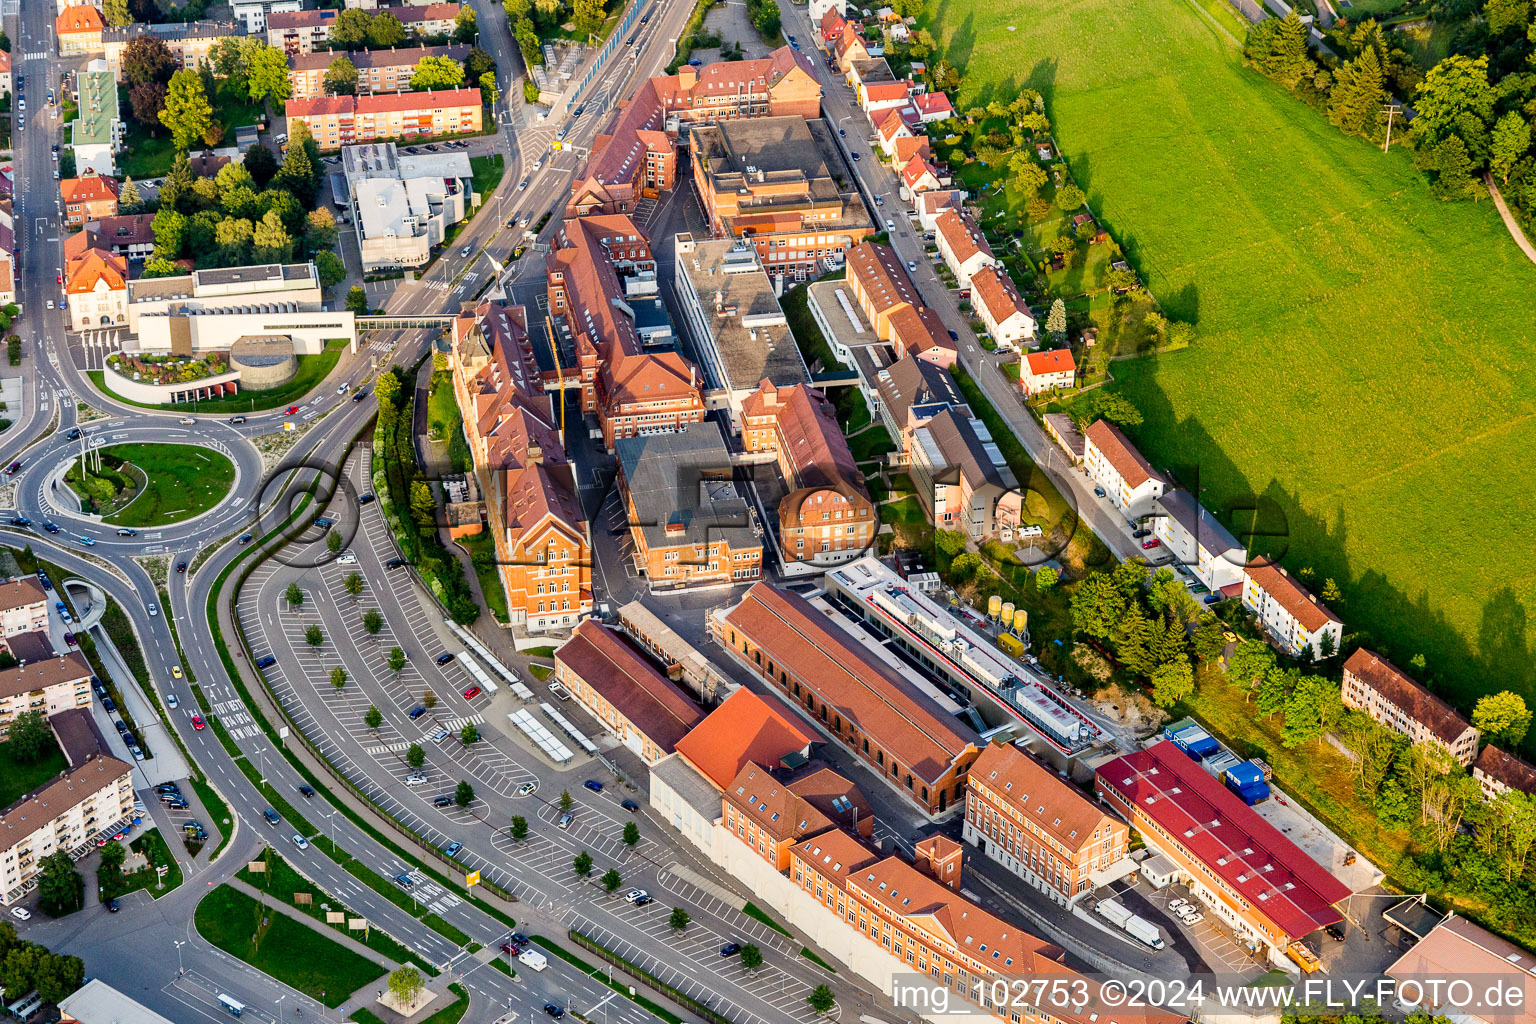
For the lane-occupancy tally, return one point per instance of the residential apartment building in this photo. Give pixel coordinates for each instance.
(5, 73)
(428, 19)
(688, 518)
(23, 606)
(1113, 462)
(739, 331)
(865, 704)
(298, 31)
(1394, 699)
(769, 181)
(770, 813)
(961, 477)
(188, 41)
(933, 106)
(543, 540)
(1043, 372)
(1456, 949)
(894, 308)
(826, 516)
(1497, 772)
(1199, 542)
(64, 815)
(404, 205)
(79, 30)
(89, 197)
(96, 134)
(257, 15)
(613, 680)
(48, 687)
(337, 121)
(1296, 620)
(1037, 825)
(962, 245)
(131, 236)
(96, 289)
(377, 70)
(1001, 308)
(1258, 882)
(632, 392)
(911, 392)
(930, 206)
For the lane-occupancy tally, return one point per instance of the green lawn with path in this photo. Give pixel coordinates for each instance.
(178, 481)
(283, 948)
(312, 370)
(1362, 361)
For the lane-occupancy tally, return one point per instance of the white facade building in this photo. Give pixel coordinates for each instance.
(1128, 480)
(1296, 620)
(404, 205)
(253, 13)
(961, 244)
(1198, 541)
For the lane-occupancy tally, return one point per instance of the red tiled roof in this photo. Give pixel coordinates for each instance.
(745, 727)
(878, 92)
(916, 169)
(378, 103)
(835, 854)
(83, 20)
(431, 12)
(1457, 948)
(1293, 597)
(865, 692)
(1119, 452)
(92, 188)
(95, 265)
(932, 103)
(299, 19)
(1401, 690)
(961, 236)
(1057, 361)
(1507, 769)
(1059, 809)
(994, 289)
(625, 679)
(1231, 839)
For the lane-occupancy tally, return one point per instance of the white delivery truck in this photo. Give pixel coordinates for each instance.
(533, 959)
(1144, 930)
(1116, 913)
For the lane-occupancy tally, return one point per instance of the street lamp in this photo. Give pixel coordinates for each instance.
(180, 969)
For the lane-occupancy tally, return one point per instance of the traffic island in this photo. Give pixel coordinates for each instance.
(143, 485)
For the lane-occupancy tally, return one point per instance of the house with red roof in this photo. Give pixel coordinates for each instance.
(890, 131)
(1041, 372)
(5, 72)
(89, 197)
(919, 175)
(933, 106)
(1003, 311)
(875, 97)
(1128, 480)
(829, 27)
(96, 283)
(79, 30)
(1243, 869)
(1403, 704)
(962, 245)
(1294, 618)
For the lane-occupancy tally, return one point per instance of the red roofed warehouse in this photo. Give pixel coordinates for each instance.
(1252, 877)
(881, 716)
(1383, 691)
(643, 708)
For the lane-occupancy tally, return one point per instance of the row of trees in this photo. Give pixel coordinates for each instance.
(357, 29)
(25, 966)
(1468, 119)
(533, 21)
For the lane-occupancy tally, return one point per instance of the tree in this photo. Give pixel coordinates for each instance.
(1502, 718)
(1249, 661)
(60, 888)
(266, 71)
(396, 660)
(949, 542)
(147, 100)
(1026, 177)
(751, 957)
(31, 739)
(313, 636)
(147, 58)
(357, 299)
(1452, 168)
(490, 95)
(1314, 706)
(299, 174)
(1097, 606)
(528, 42)
(1056, 322)
(169, 228)
(159, 266)
(385, 31)
(428, 699)
(1359, 89)
(679, 919)
(612, 880)
(1069, 197)
(320, 230)
(463, 794)
(187, 113)
(261, 163)
(405, 985)
(582, 864)
(437, 73)
(423, 505)
(477, 63)
(333, 543)
(516, 10)
(415, 756)
(1511, 140)
(519, 827)
(1455, 98)
(465, 28)
(1331, 595)
(353, 584)
(565, 800)
(270, 240)
(766, 17)
(1209, 639)
(373, 621)
(1046, 577)
(115, 13)
(1277, 49)
(1172, 682)
(1112, 406)
(631, 833)
(469, 734)
(822, 1000)
(373, 718)
(350, 30)
(294, 595)
(58, 976)
(588, 15)
(341, 77)
(21, 966)
(1274, 689)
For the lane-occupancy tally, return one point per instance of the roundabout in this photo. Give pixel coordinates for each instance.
(149, 484)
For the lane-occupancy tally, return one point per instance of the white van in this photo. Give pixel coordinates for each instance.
(533, 959)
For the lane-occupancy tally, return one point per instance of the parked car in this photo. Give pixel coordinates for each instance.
(730, 949)
(418, 711)
(21, 913)
(415, 780)
(271, 816)
(630, 805)
(1151, 542)
(1099, 492)
(472, 693)
(442, 801)
(452, 849)
(565, 821)
(639, 897)
(1138, 534)
(526, 788)
(445, 658)
(440, 735)
(593, 785)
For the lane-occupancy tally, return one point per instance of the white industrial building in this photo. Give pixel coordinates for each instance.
(403, 205)
(210, 310)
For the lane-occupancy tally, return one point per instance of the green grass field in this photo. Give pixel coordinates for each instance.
(183, 481)
(17, 777)
(291, 952)
(1361, 350)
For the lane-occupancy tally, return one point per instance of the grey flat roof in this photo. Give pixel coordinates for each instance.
(747, 326)
(1198, 523)
(685, 480)
(697, 791)
(96, 1002)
